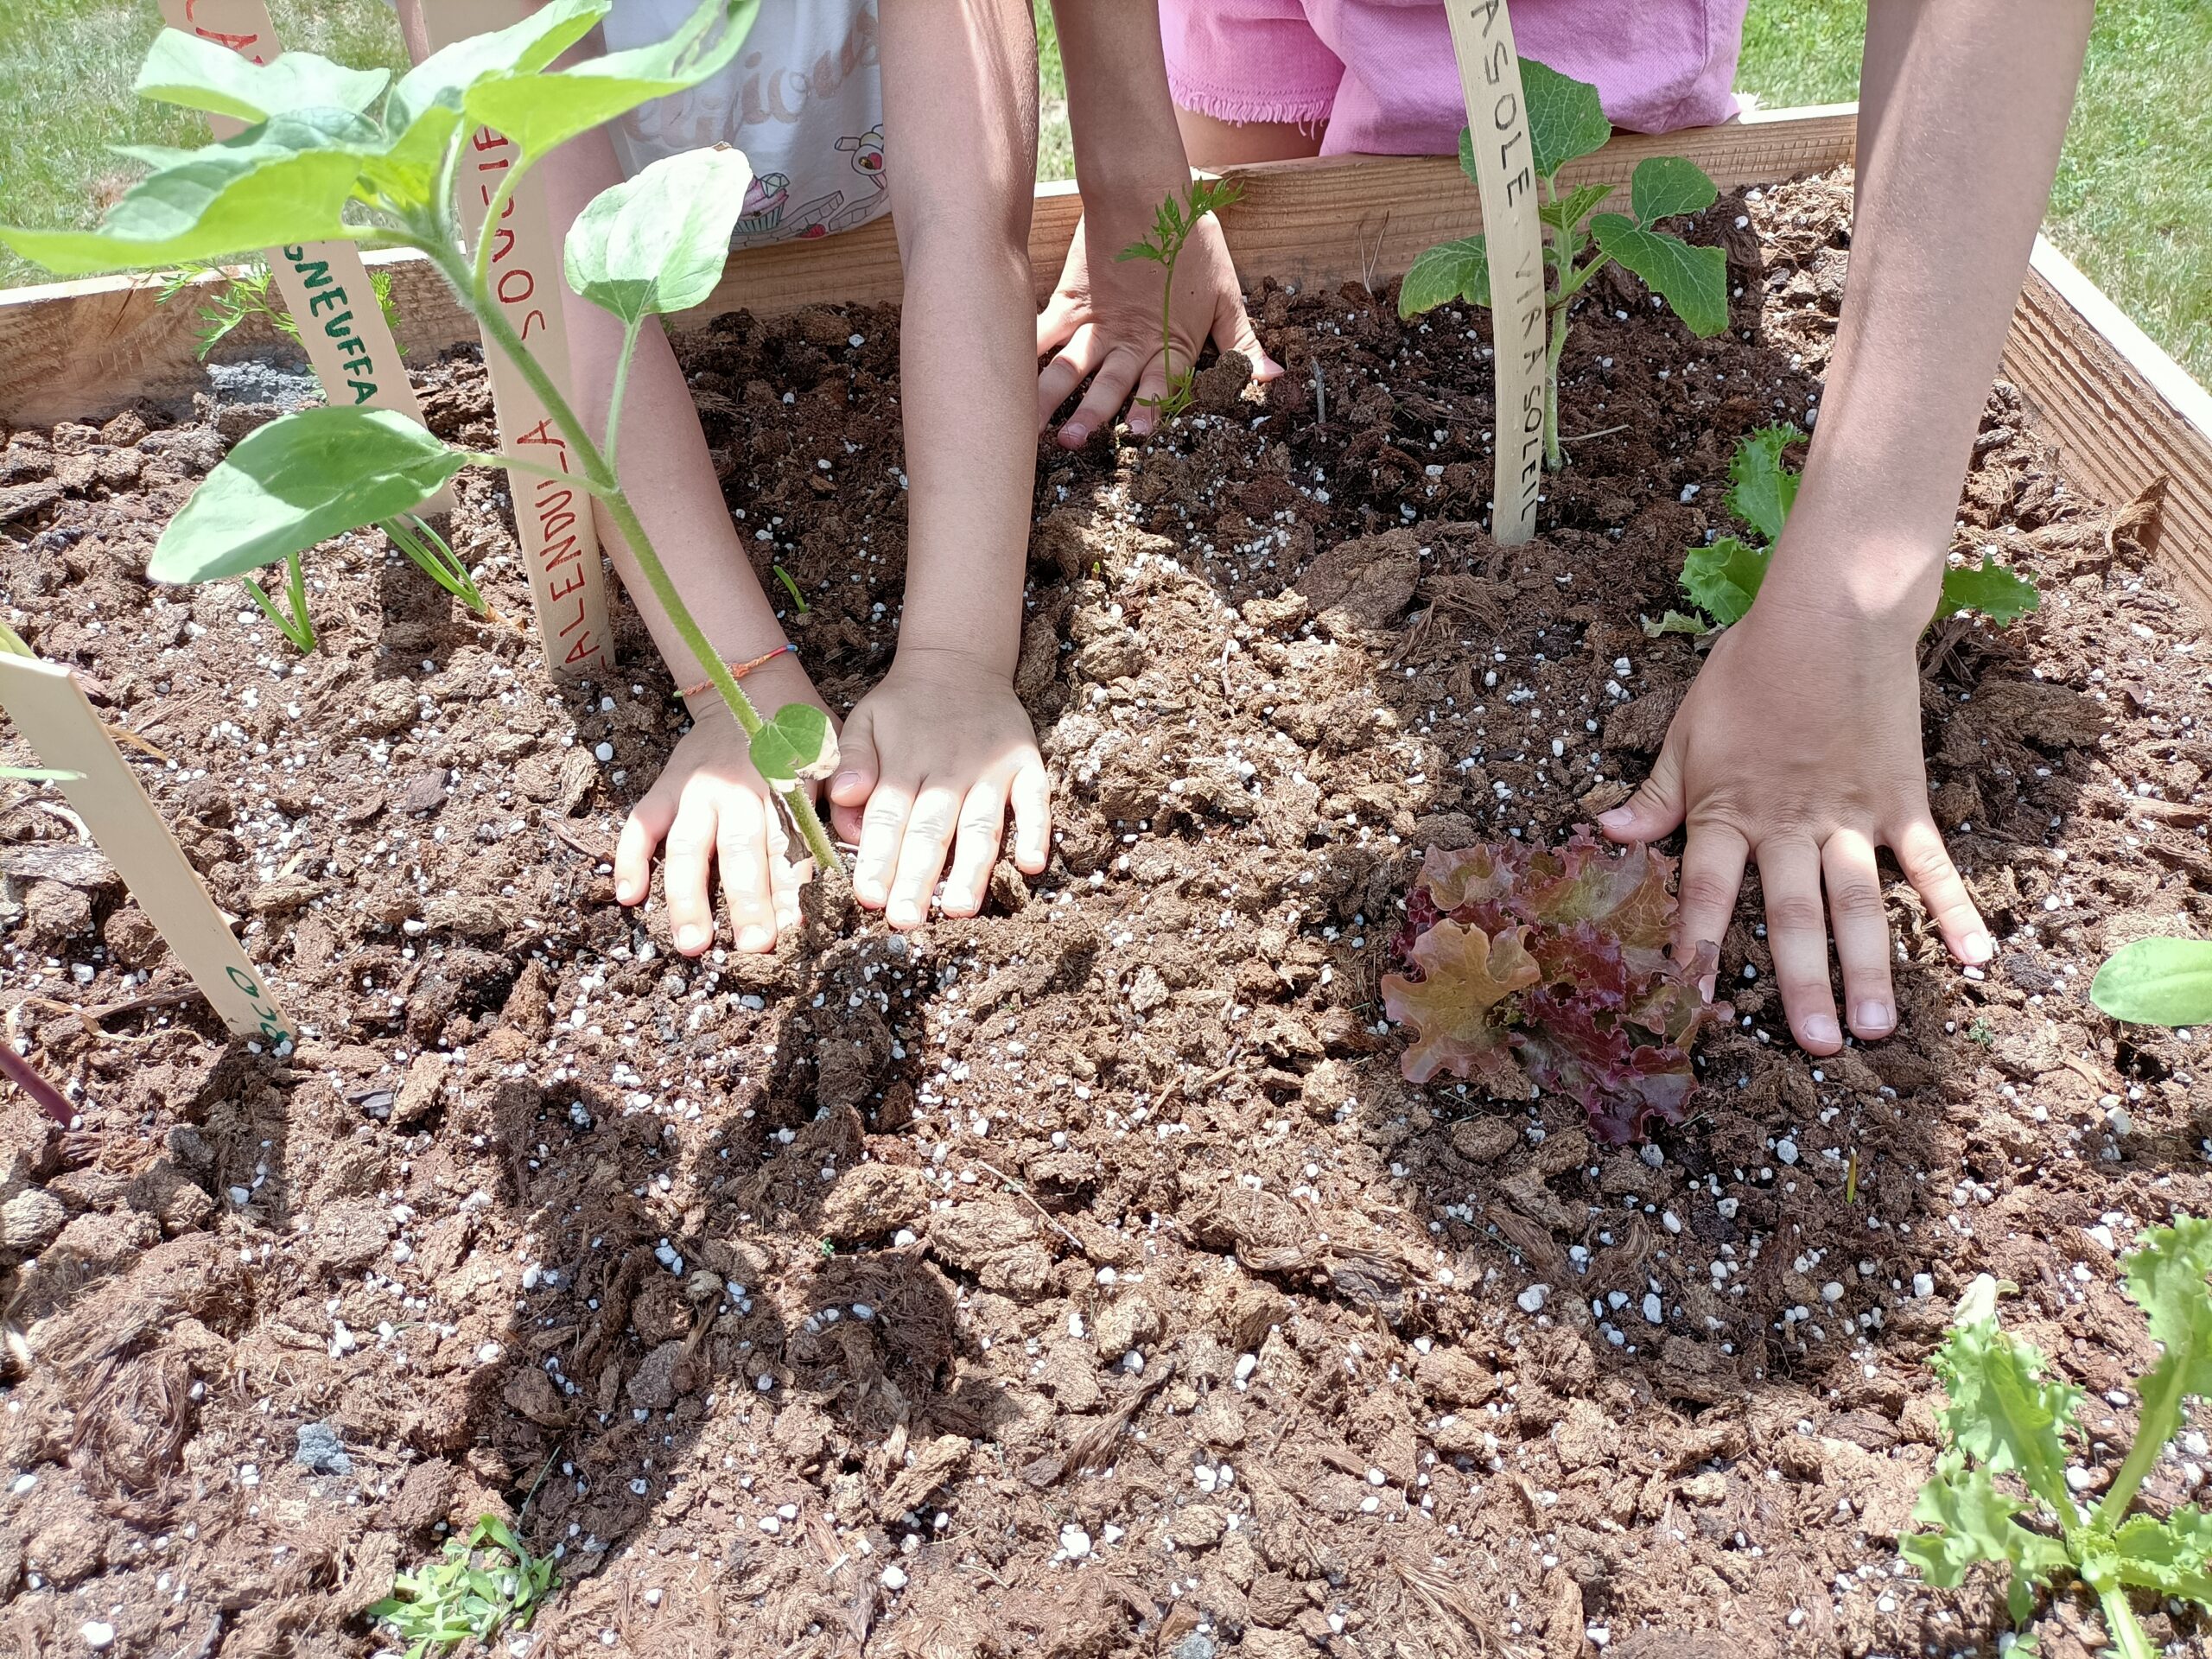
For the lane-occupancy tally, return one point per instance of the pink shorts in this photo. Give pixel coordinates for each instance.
(1380, 73)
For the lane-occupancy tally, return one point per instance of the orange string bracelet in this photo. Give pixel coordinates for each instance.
(739, 670)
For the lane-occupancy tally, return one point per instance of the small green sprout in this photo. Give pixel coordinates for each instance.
(2006, 1418)
(1171, 228)
(433, 556)
(250, 290)
(2157, 982)
(290, 618)
(482, 1584)
(1565, 122)
(1722, 578)
(791, 587)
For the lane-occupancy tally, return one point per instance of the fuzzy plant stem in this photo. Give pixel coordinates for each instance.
(25, 1076)
(599, 477)
(1553, 458)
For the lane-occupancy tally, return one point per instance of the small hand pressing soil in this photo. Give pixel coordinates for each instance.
(1083, 1278)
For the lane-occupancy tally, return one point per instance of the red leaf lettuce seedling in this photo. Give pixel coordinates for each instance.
(1722, 578)
(1171, 230)
(1550, 965)
(1566, 121)
(2005, 1418)
(328, 155)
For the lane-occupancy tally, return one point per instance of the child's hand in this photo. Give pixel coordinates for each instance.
(709, 803)
(1104, 316)
(932, 757)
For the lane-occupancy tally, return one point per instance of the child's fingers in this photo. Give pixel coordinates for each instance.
(786, 875)
(883, 827)
(1057, 380)
(690, 844)
(857, 769)
(642, 831)
(1109, 390)
(1233, 332)
(1032, 817)
(1152, 388)
(982, 823)
(921, 855)
(741, 847)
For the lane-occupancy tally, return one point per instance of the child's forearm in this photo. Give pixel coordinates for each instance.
(1964, 105)
(960, 101)
(1119, 113)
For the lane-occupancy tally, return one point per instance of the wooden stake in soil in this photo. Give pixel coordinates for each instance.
(554, 520)
(51, 712)
(1498, 125)
(325, 285)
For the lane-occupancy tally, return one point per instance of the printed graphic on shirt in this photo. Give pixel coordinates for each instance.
(804, 101)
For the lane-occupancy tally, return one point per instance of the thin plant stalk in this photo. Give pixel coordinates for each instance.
(435, 556)
(298, 626)
(601, 480)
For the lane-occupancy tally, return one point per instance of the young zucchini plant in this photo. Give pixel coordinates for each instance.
(330, 154)
(1565, 122)
(1722, 578)
(2004, 1417)
(1171, 231)
(2157, 982)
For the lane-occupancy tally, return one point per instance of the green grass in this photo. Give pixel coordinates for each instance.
(2133, 206)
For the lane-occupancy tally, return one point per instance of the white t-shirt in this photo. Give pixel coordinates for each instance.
(804, 100)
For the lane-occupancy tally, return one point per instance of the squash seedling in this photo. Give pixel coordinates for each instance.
(1566, 121)
(2157, 982)
(332, 154)
(1722, 578)
(2005, 1418)
(1171, 233)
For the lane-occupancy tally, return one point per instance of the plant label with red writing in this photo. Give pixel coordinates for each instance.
(554, 518)
(325, 285)
(1497, 130)
(50, 710)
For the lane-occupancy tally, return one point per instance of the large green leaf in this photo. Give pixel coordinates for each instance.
(2173, 1556)
(1722, 580)
(2157, 982)
(442, 79)
(2002, 1411)
(1564, 118)
(1972, 1522)
(284, 181)
(541, 113)
(197, 74)
(1694, 281)
(797, 743)
(1760, 490)
(1445, 273)
(1664, 185)
(2166, 1278)
(657, 243)
(1989, 587)
(298, 481)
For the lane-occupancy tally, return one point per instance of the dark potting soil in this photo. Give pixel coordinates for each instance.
(1081, 1278)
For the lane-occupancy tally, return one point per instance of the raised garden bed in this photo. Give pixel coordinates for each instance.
(448, 1227)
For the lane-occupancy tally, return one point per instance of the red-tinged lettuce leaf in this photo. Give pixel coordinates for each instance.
(1472, 875)
(1465, 974)
(1584, 880)
(1672, 1003)
(1587, 960)
(1594, 1059)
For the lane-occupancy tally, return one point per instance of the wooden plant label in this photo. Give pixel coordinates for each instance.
(325, 285)
(51, 712)
(1498, 125)
(554, 520)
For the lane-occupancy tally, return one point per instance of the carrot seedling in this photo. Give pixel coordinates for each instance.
(2005, 1418)
(1565, 122)
(1723, 577)
(1171, 228)
(247, 291)
(332, 154)
(482, 1584)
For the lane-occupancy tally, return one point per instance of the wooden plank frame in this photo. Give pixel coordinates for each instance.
(2123, 413)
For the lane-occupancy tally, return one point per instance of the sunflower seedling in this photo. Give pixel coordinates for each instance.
(330, 154)
(1722, 578)
(2007, 1419)
(1171, 228)
(2157, 982)
(1565, 122)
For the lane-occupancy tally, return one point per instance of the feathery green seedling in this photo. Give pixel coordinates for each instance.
(1565, 122)
(484, 1583)
(1171, 231)
(1722, 578)
(2005, 1418)
(246, 291)
(2157, 982)
(332, 154)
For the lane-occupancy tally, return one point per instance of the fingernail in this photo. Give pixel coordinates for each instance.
(754, 938)
(1074, 434)
(1619, 818)
(1875, 1016)
(844, 780)
(627, 894)
(691, 936)
(1822, 1028)
(1977, 947)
